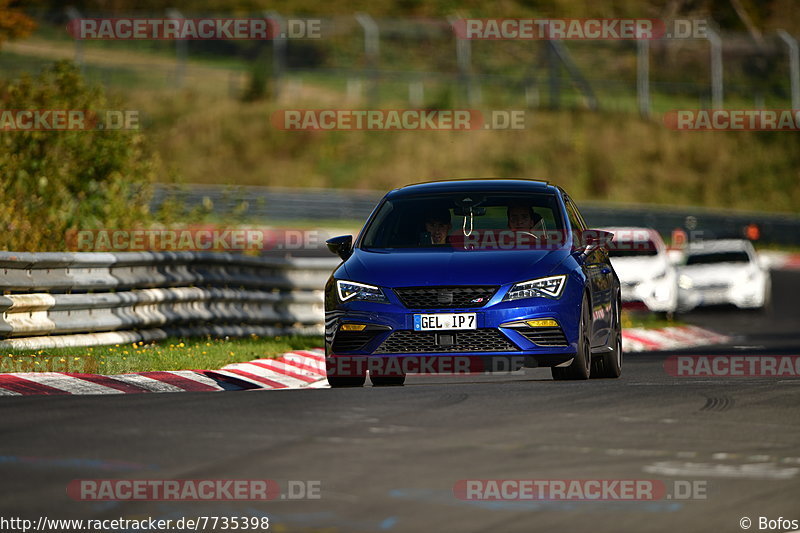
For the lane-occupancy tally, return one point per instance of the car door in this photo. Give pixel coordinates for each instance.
(598, 269)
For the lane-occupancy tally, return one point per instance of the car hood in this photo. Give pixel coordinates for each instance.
(636, 269)
(720, 272)
(412, 268)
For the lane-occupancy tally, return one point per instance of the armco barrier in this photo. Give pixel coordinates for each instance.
(61, 299)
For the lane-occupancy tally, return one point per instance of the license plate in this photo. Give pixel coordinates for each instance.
(444, 321)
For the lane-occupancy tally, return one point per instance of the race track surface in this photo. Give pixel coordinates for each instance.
(388, 459)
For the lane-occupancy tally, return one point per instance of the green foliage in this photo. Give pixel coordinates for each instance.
(168, 354)
(55, 181)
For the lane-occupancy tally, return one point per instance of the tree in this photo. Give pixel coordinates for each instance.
(14, 24)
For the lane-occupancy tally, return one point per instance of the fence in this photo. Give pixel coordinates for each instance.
(425, 62)
(75, 299)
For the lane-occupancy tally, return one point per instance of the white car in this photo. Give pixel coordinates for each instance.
(644, 268)
(723, 272)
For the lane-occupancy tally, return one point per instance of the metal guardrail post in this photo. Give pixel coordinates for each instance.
(278, 51)
(181, 51)
(372, 52)
(715, 41)
(794, 66)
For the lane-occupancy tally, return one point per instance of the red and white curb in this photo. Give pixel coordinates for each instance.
(293, 370)
(672, 338)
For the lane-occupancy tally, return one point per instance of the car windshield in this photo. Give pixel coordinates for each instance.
(467, 221)
(719, 257)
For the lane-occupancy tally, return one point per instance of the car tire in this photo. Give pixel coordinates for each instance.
(609, 365)
(387, 381)
(339, 382)
(581, 367)
(346, 379)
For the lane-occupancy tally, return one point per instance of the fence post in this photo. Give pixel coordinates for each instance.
(553, 82)
(372, 52)
(74, 15)
(794, 66)
(464, 60)
(643, 76)
(181, 50)
(416, 93)
(715, 41)
(278, 51)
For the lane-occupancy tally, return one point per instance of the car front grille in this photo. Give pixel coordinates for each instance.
(544, 336)
(477, 340)
(445, 297)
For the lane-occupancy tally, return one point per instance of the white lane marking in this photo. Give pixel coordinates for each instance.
(67, 383)
(740, 471)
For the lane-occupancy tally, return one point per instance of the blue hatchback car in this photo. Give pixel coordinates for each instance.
(485, 270)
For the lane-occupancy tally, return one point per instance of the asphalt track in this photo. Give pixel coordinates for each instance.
(388, 459)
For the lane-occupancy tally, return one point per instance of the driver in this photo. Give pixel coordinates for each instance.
(438, 225)
(521, 217)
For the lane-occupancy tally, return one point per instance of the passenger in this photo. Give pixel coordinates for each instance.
(437, 225)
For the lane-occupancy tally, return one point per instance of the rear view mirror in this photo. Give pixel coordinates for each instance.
(341, 246)
(464, 211)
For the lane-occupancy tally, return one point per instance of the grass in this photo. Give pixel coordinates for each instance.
(169, 354)
(647, 320)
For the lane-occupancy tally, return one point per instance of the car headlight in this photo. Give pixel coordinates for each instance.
(351, 291)
(549, 287)
(685, 282)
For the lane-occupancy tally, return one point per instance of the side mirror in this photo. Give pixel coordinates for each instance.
(585, 242)
(341, 246)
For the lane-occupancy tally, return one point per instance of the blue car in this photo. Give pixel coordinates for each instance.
(487, 271)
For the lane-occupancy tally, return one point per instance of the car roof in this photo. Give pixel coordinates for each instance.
(720, 245)
(473, 185)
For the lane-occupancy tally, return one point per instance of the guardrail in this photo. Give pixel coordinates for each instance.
(75, 299)
(291, 204)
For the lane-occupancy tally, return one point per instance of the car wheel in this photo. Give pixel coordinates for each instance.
(340, 377)
(387, 381)
(339, 382)
(581, 366)
(610, 364)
